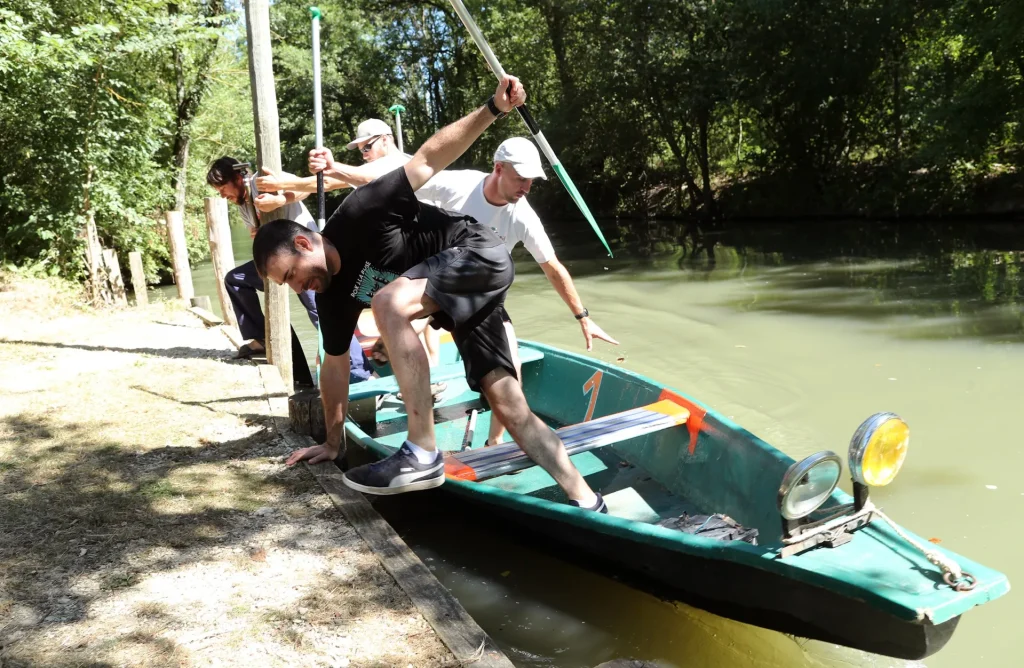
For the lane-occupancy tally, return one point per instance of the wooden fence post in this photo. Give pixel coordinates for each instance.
(138, 279)
(179, 255)
(268, 154)
(221, 252)
(112, 271)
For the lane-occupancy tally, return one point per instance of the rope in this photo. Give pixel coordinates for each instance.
(954, 576)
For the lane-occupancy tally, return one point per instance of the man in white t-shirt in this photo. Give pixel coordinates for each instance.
(498, 200)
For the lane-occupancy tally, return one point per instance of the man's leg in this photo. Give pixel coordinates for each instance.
(242, 283)
(497, 430)
(505, 395)
(394, 308)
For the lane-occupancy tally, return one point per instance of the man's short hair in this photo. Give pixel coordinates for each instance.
(222, 171)
(276, 237)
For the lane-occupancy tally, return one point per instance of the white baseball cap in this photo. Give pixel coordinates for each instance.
(523, 156)
(371, 127)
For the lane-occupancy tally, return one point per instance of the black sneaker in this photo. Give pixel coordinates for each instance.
(397, 474)
(599, 506)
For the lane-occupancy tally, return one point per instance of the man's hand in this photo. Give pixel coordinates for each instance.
(315, 454)
(267, 202)
(271, 182)
(591, 331)
(320, 159)
(252, 232)
(505, 101)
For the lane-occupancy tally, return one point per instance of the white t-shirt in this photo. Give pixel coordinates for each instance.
(462, 190)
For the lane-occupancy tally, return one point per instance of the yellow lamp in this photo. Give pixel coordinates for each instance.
(878, 449)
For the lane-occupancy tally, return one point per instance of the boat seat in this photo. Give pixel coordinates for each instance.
(389, 384)
(492, 461)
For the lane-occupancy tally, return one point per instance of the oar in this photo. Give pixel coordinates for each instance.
(317, 115)
(538, 136)
(398, 110)
(314, 12)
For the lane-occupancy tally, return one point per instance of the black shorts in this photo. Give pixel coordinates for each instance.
(469, 286)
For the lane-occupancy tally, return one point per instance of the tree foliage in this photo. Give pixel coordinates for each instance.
(711, 110)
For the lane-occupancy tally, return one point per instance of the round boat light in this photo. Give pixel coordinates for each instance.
(878, 449)
(808, 483)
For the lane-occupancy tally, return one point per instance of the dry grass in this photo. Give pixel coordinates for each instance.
(147, 518)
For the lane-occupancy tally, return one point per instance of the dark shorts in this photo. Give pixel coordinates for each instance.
(469, 286)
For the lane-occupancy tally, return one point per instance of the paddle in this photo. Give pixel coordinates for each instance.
(314, 12)
(317, 115)
(397, 110)
(538, 136)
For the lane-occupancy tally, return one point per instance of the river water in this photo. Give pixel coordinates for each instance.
(797, 332)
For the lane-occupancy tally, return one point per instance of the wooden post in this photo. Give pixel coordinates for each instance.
(113, 275)
(179, 255)
(268, 154)
(221, 252)
(138, 279)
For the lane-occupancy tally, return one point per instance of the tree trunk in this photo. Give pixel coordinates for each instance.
(703, 157)
(554, 16)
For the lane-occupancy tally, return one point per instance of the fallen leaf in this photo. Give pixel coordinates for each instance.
(505, 574)
(935, 540)
(620, 359)
(259, 554)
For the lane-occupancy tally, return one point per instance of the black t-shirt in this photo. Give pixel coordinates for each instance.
(381, 231)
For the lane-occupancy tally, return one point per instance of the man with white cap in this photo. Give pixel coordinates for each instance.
(498, 200)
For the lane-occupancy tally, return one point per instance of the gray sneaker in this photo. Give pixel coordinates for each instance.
(397, 474)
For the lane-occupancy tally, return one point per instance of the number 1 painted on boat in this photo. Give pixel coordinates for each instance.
(592, 387)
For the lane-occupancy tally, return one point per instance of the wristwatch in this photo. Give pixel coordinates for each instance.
(493, 108)
(583, 314)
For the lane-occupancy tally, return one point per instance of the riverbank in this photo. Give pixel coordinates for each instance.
(148, 519)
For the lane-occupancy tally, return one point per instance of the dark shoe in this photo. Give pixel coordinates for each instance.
(599, 507)
(397, 474)
(247, 351)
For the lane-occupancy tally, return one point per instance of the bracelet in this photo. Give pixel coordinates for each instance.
(493, 108)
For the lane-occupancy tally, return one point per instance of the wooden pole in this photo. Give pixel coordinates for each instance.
(113, 274)
(221, 252)
(179, 255)
(138, 279)
(268, 154)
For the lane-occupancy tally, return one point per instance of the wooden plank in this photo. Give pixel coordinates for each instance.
(221, 252)
(203, 302)
(208, 317)
(233, 335)
(468, 642)
(278, 339)
(179, 255)
(138, 279)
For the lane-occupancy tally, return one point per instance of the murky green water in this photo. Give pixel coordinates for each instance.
(797, 333)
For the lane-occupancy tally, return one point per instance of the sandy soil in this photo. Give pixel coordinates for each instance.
(146, 518)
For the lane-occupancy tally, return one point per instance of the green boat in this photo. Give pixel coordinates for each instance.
(701, 510)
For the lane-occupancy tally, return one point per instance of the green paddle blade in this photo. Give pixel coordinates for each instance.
(563, 176)
(314, 12)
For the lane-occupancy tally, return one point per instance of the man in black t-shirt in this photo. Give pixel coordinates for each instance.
(384, 249)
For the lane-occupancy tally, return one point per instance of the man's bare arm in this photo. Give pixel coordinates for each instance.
(562, 282)
(271, 182)
(334, 393)
(451, 141)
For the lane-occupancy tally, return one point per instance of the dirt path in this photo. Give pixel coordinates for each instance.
(146, 518)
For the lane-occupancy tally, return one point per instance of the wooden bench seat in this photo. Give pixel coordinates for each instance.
(490, 462)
